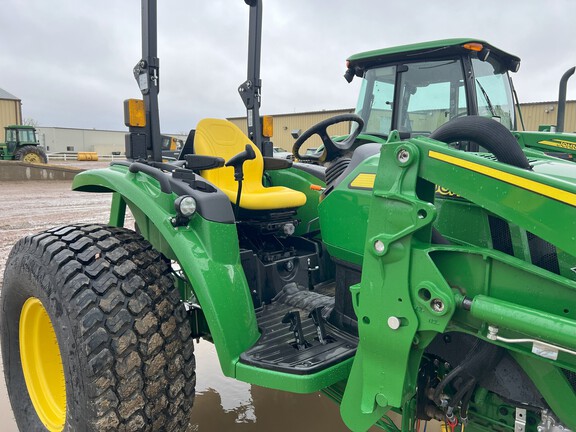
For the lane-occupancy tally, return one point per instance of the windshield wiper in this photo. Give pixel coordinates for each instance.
(490, 106)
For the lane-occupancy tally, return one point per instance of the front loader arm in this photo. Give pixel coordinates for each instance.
(410, 291)
(538, 203)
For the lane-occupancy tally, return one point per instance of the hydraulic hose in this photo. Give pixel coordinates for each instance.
(464, 390)
(480, 360)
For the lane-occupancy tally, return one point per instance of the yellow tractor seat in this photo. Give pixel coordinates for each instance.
(224, 139)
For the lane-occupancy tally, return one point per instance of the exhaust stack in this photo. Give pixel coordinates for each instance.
(562, 99)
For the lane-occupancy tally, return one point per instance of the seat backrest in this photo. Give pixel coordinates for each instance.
(215, 137)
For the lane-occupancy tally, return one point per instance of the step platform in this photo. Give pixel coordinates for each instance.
(295, 335)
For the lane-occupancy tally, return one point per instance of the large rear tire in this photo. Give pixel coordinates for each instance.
(31, 154)
(94, 334)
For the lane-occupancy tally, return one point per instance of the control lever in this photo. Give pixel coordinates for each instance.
(237, 162)
(293, 318)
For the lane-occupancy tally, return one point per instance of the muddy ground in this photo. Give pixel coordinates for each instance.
(222, 404)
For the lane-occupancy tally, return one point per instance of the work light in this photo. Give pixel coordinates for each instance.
(185, 206)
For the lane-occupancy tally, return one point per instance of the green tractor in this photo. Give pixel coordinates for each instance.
(419, 270)
(22, 144)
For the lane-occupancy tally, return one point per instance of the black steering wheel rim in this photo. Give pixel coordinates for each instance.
(332, 149)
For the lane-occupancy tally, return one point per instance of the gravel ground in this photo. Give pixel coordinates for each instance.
(33, 206)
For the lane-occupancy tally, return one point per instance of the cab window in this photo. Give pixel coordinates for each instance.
(376, 98)
(431, 93)
(493, 92)
(11, 135)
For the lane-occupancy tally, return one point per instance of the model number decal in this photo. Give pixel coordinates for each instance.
(446, 192)
(569, 145)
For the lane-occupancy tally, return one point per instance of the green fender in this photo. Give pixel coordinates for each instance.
(207, 252)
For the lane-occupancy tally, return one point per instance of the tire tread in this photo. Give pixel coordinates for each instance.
(130, 325)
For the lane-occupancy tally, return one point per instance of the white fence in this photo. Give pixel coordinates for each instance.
(73, 156)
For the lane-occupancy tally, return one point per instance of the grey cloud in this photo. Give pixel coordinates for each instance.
(72, 66)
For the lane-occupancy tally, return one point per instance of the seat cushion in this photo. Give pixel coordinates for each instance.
(224, 139)
(270, 198)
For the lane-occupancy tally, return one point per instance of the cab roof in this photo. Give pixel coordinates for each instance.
(426, 50)
(19, 127)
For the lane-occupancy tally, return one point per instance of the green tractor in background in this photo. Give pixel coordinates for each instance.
(421, 269)
(22, 144)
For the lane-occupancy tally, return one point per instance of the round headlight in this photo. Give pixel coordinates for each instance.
(185, 206)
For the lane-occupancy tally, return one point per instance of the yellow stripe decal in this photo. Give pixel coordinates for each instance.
(363, 181)
(559, 143)
(529, 185)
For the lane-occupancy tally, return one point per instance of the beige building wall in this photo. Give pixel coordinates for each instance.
(534, 114)
(10, 113)
(285, 124)
(545, 113)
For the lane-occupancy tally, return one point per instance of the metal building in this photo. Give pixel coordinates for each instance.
(534, 115)
(10, 110)
(60, 140)
(105, 142)
(72, 140)
(545, 113)
(287, 124)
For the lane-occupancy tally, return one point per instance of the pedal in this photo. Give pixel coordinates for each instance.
(316, 316)
(293, 318)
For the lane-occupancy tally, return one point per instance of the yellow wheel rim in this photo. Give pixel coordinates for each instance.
(42, 365)
(32, 158)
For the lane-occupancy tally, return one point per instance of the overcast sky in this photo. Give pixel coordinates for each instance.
(71, 62)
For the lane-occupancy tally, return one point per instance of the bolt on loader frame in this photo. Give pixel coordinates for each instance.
(406, 274)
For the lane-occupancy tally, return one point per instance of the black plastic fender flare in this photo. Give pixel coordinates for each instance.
(489, 133)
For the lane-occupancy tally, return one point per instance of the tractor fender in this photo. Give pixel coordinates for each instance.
(206, 250)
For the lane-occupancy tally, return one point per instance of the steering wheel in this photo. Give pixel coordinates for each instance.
(332, 149)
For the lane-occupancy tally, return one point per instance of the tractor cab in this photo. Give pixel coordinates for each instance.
(415, 89)
(20, 135)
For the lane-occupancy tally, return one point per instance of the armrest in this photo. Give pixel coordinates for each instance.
(272, 163)
(199, 162)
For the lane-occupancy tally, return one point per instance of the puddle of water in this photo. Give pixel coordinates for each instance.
(224, 404)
